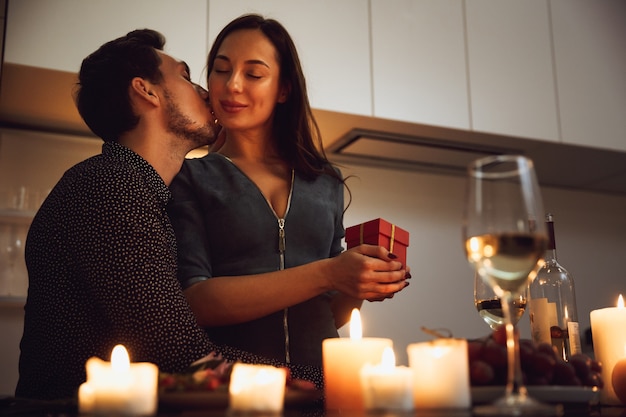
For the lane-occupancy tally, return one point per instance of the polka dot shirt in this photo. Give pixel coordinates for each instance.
(101, 258)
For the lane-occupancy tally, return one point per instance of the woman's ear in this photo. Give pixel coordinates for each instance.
(283, 95)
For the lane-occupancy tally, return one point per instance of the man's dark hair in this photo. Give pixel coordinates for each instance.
(102, 95)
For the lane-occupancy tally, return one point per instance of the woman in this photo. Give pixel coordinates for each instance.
(260, 221)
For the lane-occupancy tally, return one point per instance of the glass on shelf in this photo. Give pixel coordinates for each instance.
(18, 206)
(13, 274)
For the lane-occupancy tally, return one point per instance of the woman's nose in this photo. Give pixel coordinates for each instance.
(234, 82)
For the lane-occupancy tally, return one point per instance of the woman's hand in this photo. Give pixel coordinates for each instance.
(369, 272)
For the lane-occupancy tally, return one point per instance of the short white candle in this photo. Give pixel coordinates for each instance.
(342, 362)
(608, 329)
(119, 387)
(440, 374)
(257, 388)
(387, 387)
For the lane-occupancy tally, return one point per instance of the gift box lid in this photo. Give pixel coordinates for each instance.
(376, 227)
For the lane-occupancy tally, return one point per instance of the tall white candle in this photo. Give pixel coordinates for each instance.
(342, 362)
(119, 387)
(387, 387)
(257, 388)
(440, 374)
(608, 329)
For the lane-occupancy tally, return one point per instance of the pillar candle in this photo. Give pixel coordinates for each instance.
(119, 387)
(608, 329)
(343, 359)
(387, 387)
(257, 388)
(440, 374)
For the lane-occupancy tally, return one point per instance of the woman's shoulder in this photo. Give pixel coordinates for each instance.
(207, 163)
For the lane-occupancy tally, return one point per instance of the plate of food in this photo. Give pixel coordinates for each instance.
(218, 398)
(206, 386)
(545, 393)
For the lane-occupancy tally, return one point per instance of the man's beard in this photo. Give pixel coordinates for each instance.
(180, 125)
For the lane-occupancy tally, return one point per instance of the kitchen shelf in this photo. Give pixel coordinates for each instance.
(16, 216)
(7, 301)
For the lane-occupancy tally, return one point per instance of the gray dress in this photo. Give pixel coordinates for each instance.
(225, 227)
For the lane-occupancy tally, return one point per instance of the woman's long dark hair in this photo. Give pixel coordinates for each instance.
(298, 136)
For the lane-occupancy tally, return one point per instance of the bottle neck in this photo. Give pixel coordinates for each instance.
(550, 254)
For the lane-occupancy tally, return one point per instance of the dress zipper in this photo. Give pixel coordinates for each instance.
(282, 246)
(281, 251)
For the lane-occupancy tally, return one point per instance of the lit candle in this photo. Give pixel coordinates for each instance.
(440, 374)
(119, 387)
(258, 388)
(387, 387)
(342, 362)
(608, 328)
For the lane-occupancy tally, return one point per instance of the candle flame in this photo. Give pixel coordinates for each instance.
(389, 358)
(120, 361)
(620, 301)
(356, 330)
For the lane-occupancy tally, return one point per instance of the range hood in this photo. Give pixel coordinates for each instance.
(352, 139)
(41, 99)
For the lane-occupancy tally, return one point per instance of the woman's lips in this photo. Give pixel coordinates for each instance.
(231, 106)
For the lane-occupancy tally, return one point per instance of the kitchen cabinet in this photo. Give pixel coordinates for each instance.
(332, 38)
(59, 34)
(590, 60)
(511, 77)
(548, 70)
(418, 61)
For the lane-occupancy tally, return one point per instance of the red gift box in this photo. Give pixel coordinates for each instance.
(382, 233)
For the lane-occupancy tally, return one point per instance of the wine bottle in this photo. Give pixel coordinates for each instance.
(552, 307)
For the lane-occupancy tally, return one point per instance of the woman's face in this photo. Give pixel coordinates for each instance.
(245, 81)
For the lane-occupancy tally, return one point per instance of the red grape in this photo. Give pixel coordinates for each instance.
(481, 373)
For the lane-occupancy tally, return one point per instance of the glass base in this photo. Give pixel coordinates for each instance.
(518, 405)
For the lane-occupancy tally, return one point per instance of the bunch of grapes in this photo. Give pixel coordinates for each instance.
(540, 364)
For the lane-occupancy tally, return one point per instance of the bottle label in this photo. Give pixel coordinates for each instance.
(574, 338)
(540, 320)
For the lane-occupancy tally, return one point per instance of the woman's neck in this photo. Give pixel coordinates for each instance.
(258, 147)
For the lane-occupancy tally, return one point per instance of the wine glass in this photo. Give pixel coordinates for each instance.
(505, 238)
(489, 305)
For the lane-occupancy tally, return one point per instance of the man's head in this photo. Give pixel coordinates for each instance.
(133, 62)
(102, 96)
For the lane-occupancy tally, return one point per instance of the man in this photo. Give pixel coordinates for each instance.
(101, 253)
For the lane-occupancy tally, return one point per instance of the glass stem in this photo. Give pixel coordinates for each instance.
(515, 381)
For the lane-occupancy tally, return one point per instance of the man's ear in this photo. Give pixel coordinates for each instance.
(143, 90)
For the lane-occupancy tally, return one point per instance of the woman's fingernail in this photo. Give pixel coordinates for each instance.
(408, 275)
(406, 284)
(392, 255)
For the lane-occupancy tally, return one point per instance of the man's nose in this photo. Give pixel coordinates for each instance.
(203, 93)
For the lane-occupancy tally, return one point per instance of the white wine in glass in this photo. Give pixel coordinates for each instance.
(505, 238)
(489, 305)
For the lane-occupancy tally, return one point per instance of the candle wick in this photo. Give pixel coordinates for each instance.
(437, 332)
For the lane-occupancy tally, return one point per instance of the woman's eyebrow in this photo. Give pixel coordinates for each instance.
(249, 62)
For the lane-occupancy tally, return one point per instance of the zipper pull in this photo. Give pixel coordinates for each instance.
(281, 235)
